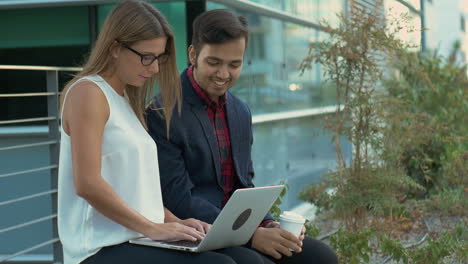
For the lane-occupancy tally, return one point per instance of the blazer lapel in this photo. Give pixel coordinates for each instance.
(234, 130)
(205, 123)
(198, 109)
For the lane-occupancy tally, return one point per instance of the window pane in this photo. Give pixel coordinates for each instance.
(412, 33)
(52, 36)
(175, 14)
(314, 10)
(271, 80)
(44, 27)
(415, 3)
(297, 150)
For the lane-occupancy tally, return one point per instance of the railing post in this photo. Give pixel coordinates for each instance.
(423, 25)
(52, 109)
(192, 10)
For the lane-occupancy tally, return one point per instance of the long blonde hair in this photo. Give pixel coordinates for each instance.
(129, 22)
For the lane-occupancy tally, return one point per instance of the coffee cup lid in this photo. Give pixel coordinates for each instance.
(292, 217)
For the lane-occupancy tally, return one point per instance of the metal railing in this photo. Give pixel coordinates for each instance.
(15, 4)
(264, 10)
(53, 139)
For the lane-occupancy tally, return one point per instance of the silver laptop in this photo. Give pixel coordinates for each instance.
(234, 226)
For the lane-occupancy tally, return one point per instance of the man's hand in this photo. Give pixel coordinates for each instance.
(197, 224)
(274, 224)
(302, 235)
(275, 242)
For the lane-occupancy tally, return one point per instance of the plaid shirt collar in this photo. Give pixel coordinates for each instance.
(202, 94)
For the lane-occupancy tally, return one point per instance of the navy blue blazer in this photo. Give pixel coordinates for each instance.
(189, 162)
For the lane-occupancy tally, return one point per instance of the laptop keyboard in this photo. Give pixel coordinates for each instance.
(184, 243)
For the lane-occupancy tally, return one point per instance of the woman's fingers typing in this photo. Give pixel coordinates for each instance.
(197, 224)
(173, 232)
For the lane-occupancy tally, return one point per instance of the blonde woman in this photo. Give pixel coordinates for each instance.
(109, 190)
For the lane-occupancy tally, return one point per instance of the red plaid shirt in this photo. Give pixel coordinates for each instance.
(218, 117)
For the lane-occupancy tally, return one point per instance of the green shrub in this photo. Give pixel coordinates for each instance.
(355, 247)
(449, 202)
(352, 247)
(275, 210)
(450, 244)
(368, 183)
(432, 96)
(312, 229)
(393, 248)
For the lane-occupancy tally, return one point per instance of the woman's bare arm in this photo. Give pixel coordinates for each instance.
(86, 112)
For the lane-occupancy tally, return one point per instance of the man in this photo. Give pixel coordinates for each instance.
(208, 153)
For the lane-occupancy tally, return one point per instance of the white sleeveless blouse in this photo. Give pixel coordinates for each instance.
(129, 164)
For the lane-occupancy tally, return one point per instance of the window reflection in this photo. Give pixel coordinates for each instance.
(271, 80)
(314, 10)
(296, 150)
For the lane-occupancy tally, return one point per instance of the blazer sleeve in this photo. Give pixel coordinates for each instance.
(250, 169)
(176, 184)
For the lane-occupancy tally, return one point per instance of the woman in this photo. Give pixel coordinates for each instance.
(109, 189)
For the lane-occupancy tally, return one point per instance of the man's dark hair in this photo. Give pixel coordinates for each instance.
(217, 27)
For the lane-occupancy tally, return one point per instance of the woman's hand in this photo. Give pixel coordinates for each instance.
(200, 226)
(197, 224)
(173, 232)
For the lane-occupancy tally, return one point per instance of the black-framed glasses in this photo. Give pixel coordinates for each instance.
(148, 59)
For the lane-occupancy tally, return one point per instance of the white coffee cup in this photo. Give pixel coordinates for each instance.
(292, 222)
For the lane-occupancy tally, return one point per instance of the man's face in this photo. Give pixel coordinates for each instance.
(217, 66)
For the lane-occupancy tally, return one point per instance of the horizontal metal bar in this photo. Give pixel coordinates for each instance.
(27, 94)
(274, 117)
(13, 4)
(268, 117)
(28, 171)
(30, 145)
(38, 68)
(10, 131)
(32, 222)
(263, 10)
(52, 241)
(28, 197)
(32, 258)
(17, 121)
